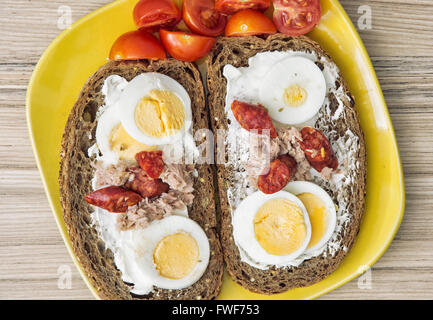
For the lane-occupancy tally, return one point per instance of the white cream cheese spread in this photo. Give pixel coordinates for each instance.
(244, 84)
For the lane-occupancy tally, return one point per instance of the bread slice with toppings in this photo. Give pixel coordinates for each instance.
(76, 174)
(338, 120)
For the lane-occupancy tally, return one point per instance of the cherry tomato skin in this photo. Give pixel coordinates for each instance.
(151, 15)
(201, 17)
(186, 46)
(136, 45)
(230, 7)
(249, 22)
(296, 17)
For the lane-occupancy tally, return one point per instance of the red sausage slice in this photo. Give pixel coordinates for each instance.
(290, 162)
(145, 185)
(113, 199)
(151, 162)
(318, 149)
(252, 117)
(276, 179)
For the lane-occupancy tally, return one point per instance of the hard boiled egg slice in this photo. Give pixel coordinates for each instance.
(321, 211)
(272, 229)
(155, 109)
(114, 142)
(172, 252)
(293, 90)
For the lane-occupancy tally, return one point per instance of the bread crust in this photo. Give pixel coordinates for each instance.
(76, 174)
(237, 51)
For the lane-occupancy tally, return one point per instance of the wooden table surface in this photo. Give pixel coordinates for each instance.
(32, 255)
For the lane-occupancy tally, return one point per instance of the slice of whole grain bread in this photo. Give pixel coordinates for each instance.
(76, 174)
(237, 51)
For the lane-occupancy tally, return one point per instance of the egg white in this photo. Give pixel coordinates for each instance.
(133, 250)
(285, 73)
(244, 234)
(146, 241)
(107, 121)
(298, 187)
(110, 116)
(172, 153)
(140, 87)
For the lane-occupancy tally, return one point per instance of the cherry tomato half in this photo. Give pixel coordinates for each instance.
(231, 6)
(137, 45)
(296, 17)
(186, 46)
(249, 22)
(201, 17)
(151, 15)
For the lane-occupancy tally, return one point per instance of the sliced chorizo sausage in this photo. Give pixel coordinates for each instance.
(113, 199)
(151, 162)
(290, 162)
(318, 149)
(276, 179)
(253, 117)
(145, 185)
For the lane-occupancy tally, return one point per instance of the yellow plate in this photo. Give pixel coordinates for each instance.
(78, 52)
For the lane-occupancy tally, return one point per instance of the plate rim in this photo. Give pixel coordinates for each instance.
(397, 225)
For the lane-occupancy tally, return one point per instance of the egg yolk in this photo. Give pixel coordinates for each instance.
(124, 145)
(295, 96)
(318, 216)
(176, 255)
(279, 227)
(159, 114)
